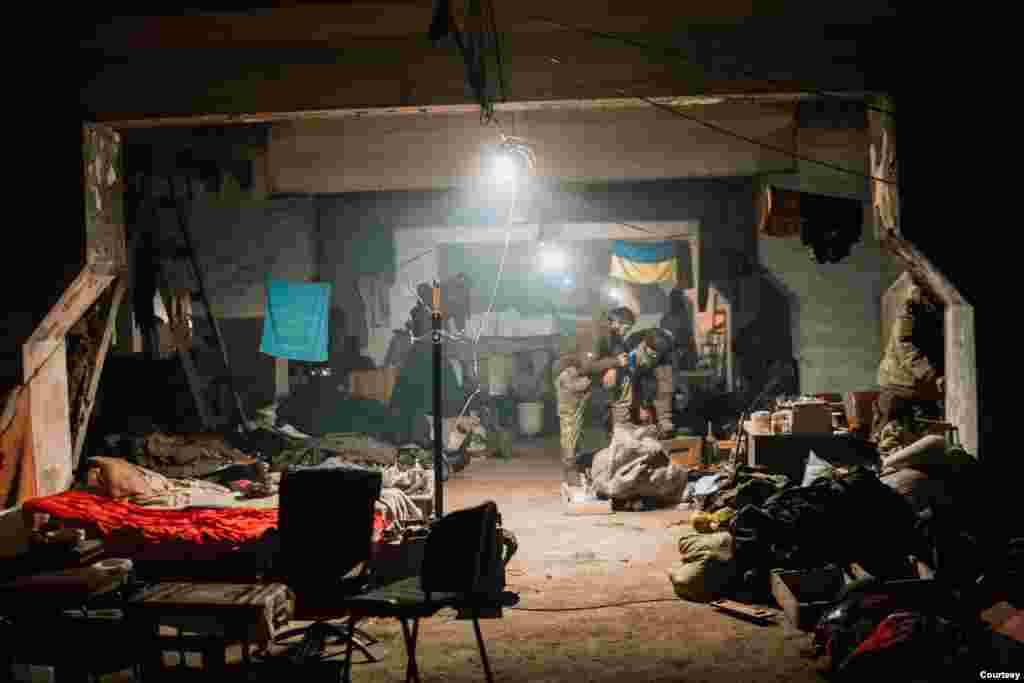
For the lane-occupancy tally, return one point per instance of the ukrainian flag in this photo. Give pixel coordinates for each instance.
(645, 262)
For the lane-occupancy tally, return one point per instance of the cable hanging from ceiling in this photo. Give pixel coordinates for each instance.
(479, 44)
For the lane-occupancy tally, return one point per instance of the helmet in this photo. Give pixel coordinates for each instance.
(623, 315)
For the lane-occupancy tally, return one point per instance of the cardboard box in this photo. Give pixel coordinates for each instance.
(812, 418)
(685, 450)
(376, 384)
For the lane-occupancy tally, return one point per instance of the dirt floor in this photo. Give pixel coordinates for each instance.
(568, 568)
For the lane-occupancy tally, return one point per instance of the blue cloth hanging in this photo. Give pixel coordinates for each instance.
(295, 322)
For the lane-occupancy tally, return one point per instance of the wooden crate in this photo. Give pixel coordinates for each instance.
(376, 384)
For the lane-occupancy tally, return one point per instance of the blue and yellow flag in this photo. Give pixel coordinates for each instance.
(645, 262)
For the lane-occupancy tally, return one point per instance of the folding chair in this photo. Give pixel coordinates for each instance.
(463, 568)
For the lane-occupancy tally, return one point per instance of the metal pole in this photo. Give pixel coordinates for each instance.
(438, 436)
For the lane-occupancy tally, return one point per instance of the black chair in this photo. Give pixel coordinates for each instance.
(463, 568)
(325, 525)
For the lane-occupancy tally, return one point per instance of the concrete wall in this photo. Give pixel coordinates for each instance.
(828, 315)
(838, 321)
(239, 244)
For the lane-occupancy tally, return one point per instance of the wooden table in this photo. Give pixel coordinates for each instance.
(787, 453)
(48, 623)
(208, 618)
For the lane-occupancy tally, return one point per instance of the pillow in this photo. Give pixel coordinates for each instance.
(119, 478)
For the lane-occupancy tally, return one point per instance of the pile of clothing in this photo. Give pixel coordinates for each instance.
(121, 480)
(755, 522)
(179, 455)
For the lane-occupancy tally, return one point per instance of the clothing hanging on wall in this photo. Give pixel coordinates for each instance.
(375, 293)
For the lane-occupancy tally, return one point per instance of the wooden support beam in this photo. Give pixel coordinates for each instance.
(84, 412)
(50, 436)
(73, 303)
(961, 369)
(883, 165)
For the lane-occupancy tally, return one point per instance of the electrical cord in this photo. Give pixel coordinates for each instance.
(740, 136)
(497, 50)
(628, 603)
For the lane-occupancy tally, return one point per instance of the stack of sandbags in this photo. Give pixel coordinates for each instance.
(705, 568)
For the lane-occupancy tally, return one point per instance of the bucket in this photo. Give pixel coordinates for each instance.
(531, 418)
(500, 370)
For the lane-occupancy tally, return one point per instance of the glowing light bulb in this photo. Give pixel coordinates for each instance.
(505, 170)
(553, 259)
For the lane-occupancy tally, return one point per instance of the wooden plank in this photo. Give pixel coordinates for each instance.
(49, 421)
(429, 152)
(85, 410)
(883, 163)
(73, 303)
(350, 24)
(511, 108)
(962, 376)
(105, 243)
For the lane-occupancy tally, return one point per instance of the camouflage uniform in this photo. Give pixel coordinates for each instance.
(602, 358)
(573, 391)
(908, 380)
(663, 377)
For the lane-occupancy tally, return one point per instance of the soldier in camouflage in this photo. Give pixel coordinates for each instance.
(607, 357)
(573, 384)
(910, 374)
(573, 389)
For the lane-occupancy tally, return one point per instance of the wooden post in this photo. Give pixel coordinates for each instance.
(961, 397)
(883, 165)
(49, 421)
(85, 411)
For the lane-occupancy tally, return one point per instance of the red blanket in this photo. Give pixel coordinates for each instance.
(231, 525)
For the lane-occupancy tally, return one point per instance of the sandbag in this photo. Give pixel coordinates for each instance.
(635, 466)
(710, 522)
(706, 566)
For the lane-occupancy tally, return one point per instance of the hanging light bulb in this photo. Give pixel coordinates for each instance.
(552, 257)
(509, 164)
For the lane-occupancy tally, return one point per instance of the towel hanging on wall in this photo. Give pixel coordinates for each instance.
(295, 321)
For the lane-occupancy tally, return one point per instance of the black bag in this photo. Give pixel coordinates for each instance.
(466, 553)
